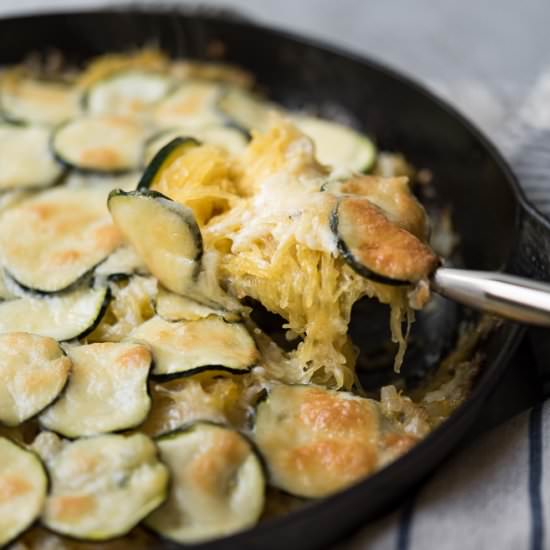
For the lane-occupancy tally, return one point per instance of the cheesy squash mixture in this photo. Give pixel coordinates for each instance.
(168, 211)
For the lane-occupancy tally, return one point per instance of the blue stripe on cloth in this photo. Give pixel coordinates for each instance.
(405, 523)
(535, 478)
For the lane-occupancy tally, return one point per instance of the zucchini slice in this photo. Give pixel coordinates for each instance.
(244, 110)
(164, 158)
(33, 371)
(218, 484)
(121, 264)
(189, 347)
(101, 487)
(192, 104)
(33, 101)
(51, 241)
(101, 144)
(26, 160)
(231, 139)
(107, 391)
(392, 195)
(173, 307)
(127, 92)
(23, 486)
(337, 145)
(62, 317)
(164, 234)
(377, 248)
(316, 441)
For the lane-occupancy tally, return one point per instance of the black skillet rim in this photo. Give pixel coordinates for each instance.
(497, 365)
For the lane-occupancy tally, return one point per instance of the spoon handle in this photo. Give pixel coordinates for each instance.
(508, 296)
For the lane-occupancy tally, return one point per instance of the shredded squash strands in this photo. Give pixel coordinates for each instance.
(265, 215)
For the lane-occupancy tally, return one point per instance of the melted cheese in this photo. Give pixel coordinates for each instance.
(173, 307)
(317, 442)
(193, 104)
(33, 371)
(188, 346)
(132, 304)
(103, 486)
(18, 145)
(23, 485)
(61, 317)
(107, 391)
(50, 241)
(206, 396)
(25, 99)
(127, 93)
(218, 485)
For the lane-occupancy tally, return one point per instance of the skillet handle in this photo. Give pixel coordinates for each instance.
(515, 298)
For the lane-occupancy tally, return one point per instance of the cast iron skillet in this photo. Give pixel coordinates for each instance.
(498, 229)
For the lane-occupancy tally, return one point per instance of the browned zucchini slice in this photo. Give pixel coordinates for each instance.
(187, 347)
(23, 486)
(101, 487)
(33, 371)
(107, 390)
(217, 484)
(377, 248)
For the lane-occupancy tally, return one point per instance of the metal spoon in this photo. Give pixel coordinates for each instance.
(514, 298)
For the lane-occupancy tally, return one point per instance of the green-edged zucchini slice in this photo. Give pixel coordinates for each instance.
(392, 195)
(164, 234)
(377, 248)
(25, 158)
(107, 390)
(101, 487)
(174, 307)
(192, 104)
(121, 264)
(316, 441)
(103, 144)
(33, 101)
(164, 158)
(243, 109)
(33, 371)
(51, 241)
(63, 317)
(231, 139)
(337, 145)
(127, 92)
(217, 487)
(188, 347)
(9, 289)
(23, 486)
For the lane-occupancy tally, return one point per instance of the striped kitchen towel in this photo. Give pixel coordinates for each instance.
(491, 495)
(495, 493)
